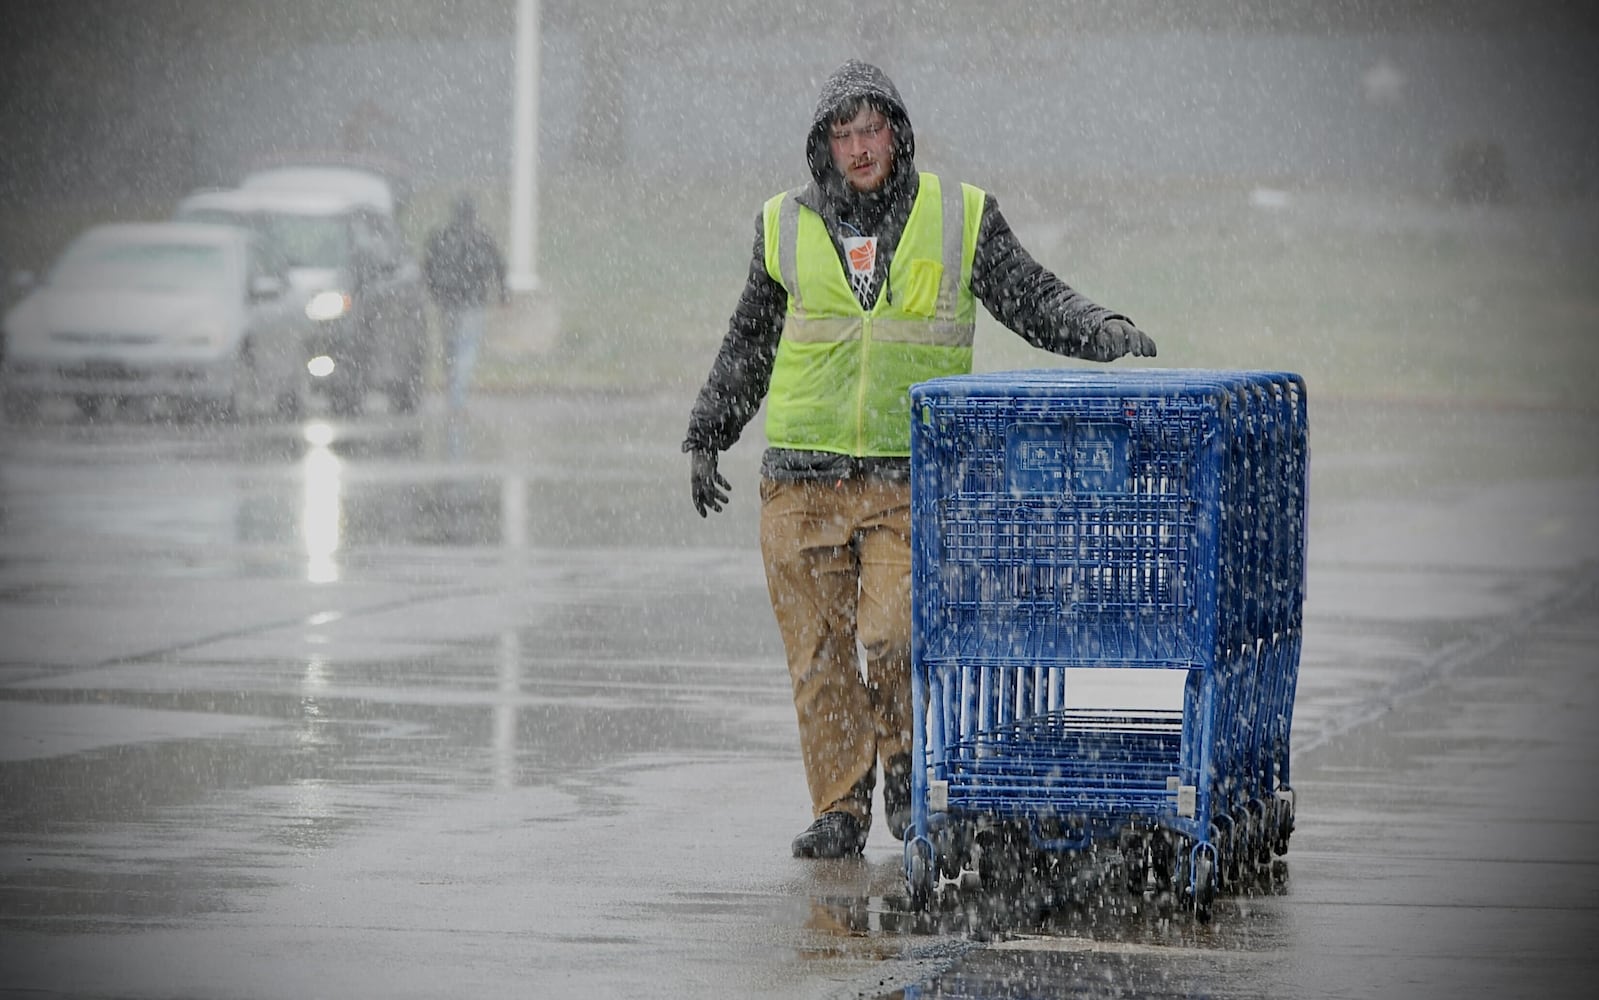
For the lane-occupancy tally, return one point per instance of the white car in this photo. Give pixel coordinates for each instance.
(378, 184)
(357, 282)
(196, 313)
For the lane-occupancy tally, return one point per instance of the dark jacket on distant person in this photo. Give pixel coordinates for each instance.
(462, 263)
(1019, 292)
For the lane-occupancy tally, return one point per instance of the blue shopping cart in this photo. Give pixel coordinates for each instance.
(1070, 525)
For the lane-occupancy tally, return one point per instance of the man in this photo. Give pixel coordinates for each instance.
(863, 282)
(462, 263)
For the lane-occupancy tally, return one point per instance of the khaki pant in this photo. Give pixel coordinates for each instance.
(838, 568)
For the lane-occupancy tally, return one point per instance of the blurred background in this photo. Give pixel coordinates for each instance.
(1392, 198)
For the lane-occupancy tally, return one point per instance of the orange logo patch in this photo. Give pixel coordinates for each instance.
(862, 254)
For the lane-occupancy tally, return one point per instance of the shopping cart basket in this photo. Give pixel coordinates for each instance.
(1069, 524)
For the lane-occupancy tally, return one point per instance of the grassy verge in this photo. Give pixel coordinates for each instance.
(1365, 296)
(1368, 296)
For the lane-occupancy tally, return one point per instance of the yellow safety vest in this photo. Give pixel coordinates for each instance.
(842, 376)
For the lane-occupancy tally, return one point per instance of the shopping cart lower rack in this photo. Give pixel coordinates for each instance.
(1069, 525)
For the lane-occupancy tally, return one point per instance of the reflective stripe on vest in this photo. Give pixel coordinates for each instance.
(842, 376)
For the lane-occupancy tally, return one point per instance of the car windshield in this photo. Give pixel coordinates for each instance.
(143, 266)
(361, 185)
(304, 240)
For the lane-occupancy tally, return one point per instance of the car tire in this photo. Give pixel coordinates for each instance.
(246, 399)
(405, 394)
(347, 400)
(291, 401)
(291, 406)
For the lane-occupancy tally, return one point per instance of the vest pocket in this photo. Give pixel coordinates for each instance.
(920, 294)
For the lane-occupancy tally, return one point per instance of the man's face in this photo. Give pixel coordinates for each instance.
(863, 149)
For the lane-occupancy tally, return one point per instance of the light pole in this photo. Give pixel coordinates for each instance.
(523, 276)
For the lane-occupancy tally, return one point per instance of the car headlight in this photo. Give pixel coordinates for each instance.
(327, 305)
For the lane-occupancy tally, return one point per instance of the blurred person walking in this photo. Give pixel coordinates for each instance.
(862, 282)
(462, 264)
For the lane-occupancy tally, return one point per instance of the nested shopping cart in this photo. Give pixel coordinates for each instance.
(1069, 524)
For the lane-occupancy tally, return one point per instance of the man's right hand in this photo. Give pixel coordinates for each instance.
(708, 486)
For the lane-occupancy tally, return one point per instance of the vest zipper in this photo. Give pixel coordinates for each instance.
(860, 389)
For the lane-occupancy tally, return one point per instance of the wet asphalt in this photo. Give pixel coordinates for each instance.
(420, 707)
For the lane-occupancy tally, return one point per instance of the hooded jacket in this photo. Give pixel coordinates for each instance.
(1018, 291)
(461, 263)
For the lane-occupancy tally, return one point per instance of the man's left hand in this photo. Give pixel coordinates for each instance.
(1116, 337)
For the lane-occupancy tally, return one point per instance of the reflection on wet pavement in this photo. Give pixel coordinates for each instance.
(263, 677)
(1084, 938)
(1089, 973)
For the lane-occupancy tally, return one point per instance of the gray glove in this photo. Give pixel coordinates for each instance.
(1116, 337)
(707, 485)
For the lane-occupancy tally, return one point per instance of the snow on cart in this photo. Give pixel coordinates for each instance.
(1070, 527)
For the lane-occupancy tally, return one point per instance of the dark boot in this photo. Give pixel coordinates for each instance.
(897, 794)
(833, 835)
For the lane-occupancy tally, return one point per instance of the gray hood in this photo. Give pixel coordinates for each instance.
(857, 79)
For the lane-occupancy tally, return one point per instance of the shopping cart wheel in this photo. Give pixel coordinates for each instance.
(1139, 865)
(919, 873)
(1264, 833)
(999, 862)
(1234, 859)
(1204, 886)
(1172, 863)
(1285, 826)
(952, 848)
(1227, 834)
